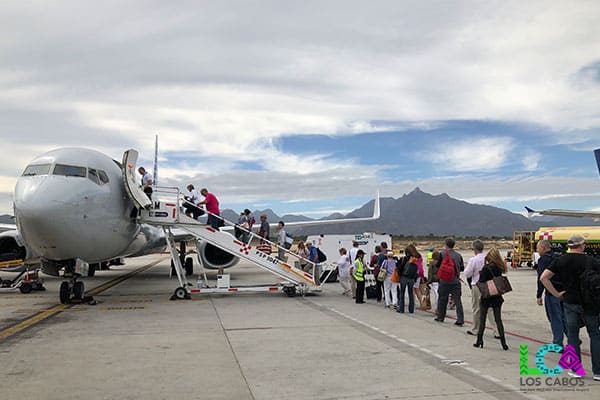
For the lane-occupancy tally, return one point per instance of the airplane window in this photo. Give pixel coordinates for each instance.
(103, 177)
(69, 170)
(93, 176)
(40, 169)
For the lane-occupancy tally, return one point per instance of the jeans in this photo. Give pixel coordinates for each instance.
(556, 316)
(573, 315)
(404, 284)
(213, 221)
(446, 289)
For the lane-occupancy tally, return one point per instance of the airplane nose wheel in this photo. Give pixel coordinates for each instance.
(73, 292)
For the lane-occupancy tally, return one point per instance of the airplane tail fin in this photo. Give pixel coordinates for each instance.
(155, 177)
(597, 154)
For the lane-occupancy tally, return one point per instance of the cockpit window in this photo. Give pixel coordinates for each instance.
(40, 169)
(93, 175)
(69, 170)
(103, 177)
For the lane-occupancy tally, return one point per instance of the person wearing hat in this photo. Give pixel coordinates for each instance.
(568, 269)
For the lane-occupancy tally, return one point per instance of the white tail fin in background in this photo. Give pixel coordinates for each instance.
(155, 180)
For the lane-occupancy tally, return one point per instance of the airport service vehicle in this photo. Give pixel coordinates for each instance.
(558, 237)
(330, 245)
(523, 249)
(524, 243)
(25, 282)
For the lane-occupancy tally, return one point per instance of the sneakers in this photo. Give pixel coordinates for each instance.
(574, 375)
(597, 377)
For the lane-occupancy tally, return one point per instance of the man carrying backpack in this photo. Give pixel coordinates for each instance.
(449, 266)
(575, 270)
(554, 305)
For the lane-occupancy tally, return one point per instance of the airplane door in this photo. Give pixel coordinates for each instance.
(130, 180)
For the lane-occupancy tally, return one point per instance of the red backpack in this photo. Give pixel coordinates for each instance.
(447, 271)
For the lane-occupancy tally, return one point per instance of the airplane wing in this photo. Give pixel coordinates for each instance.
(375, 216)
(7, 227)
(564, 213)
(570, 213)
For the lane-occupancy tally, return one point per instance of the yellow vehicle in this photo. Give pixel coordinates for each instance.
(523, 250)
(559, 235)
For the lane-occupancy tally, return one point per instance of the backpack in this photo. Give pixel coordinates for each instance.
(447, 271)
(321, 256)
(411, 270)
(590, 287)
(251, 221)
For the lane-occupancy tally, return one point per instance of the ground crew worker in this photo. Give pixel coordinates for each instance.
(358, 272)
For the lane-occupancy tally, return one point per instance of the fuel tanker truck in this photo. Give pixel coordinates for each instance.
(523, 253)
(559, 235)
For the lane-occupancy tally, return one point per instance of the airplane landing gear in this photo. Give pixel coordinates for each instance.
(72, 291)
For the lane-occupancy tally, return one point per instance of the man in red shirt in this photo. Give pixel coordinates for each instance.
(212, 206)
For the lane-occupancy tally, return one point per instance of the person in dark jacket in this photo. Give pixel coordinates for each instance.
(452, 287)
(554, 305)
(494, 266)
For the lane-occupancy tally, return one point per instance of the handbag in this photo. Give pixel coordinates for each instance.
(497, 286)
(381, 275)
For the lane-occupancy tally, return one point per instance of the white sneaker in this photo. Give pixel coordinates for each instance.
(574, 375)
(597, 377)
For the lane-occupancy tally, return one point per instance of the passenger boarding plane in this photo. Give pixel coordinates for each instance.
(71, 204)
(570, 213)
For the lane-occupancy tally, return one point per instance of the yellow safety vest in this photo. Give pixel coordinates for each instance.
(429, 257)
(358, 270)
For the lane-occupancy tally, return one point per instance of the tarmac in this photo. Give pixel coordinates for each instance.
(137, 344)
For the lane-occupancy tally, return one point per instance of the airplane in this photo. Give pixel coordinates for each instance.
(71, 205)
(570, 213)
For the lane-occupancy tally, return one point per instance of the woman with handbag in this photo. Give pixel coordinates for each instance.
(494, 266)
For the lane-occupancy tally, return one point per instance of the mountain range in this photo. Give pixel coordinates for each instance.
(422, 214)
(419, 214)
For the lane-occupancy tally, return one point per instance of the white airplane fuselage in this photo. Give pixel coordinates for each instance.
(72, 204)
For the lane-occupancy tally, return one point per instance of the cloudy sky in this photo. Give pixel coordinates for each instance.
(310, 107)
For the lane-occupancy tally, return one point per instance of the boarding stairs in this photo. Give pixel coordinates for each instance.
(167, 213)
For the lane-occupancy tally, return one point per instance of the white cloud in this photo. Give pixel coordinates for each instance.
(225, 86)
(478, 154)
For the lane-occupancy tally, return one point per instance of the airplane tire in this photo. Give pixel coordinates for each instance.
(189, 266)
(180, 293)
(25, 288)
(64, 293)
(78, 289)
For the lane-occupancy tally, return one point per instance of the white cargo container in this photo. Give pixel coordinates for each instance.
(330, 244)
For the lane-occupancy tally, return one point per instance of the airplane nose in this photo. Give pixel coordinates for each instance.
(36, 213)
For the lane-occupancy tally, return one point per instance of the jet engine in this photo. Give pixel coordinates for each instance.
(215, 258)
(12, 248)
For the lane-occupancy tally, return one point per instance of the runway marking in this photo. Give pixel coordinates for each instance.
(52, 311)
(34, 310)
(460, 364)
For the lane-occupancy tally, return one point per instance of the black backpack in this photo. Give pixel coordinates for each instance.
(411, 270)
(590, 286)
(321, 256)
